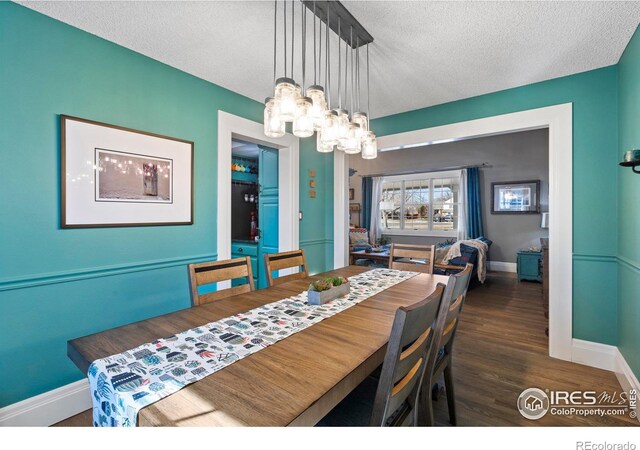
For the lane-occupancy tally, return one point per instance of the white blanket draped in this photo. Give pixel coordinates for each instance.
(454, 252)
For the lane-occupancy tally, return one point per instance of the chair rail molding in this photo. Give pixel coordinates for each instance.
(288, 146)
(559, 120)
(42, 279)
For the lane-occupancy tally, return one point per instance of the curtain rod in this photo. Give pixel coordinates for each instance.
(441, 169)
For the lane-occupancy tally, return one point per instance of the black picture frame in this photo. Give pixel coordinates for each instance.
(70, 155)
(515, 197)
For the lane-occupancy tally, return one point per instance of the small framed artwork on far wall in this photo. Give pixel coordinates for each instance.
(351, 193)
(516, 197)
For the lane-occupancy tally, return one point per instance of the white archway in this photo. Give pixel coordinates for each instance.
(558, 119)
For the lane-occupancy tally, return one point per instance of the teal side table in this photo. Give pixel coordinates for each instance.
(529, 265)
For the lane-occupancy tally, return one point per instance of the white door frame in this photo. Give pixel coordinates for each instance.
(230, 127)
(558, 119)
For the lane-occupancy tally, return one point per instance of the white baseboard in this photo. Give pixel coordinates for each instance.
(594, 354)
(48, 408)
(501, 266)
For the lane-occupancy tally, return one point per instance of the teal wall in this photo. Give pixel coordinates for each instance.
(59, 284)
(629, 208)
(314, 239)
(595, 151)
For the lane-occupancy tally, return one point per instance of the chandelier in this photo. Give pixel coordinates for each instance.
(344, 126)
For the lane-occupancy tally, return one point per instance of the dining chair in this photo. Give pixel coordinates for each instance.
(397, 394)
(440, 360)
(285, 260)
(214, 272)
(417, 258)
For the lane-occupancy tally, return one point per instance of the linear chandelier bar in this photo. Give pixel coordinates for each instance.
(337, 10)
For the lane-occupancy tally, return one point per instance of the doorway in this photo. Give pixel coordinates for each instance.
(254, 205)
(232, 127)
(558, 119)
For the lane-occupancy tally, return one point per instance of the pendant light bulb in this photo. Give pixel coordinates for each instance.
(343, 124)
(369, 146)
(285, 97)
(321, 145)
(316, 94)
(273, 125)
(303, 122)
(363, 121)
(329, 132)
(352, 143)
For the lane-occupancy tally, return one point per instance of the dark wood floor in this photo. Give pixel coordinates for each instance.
(500, 350)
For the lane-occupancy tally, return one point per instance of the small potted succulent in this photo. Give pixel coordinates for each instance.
(325, 290)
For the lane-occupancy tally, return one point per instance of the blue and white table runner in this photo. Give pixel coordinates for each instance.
(123, 384)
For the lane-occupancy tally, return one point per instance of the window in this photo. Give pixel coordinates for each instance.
(424, 204)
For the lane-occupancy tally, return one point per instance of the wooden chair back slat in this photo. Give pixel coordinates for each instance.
(413, 267)
(405, 386)
(411, 354)
(401, 251)
(413, 252)
(214, 272)
(285, 260)
(294, 261)
(287, 278)
(225, 293)
(411, 340)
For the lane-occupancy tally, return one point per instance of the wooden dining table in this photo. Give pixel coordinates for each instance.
(294, 382)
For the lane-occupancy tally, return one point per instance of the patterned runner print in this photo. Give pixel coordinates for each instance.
(123, 384)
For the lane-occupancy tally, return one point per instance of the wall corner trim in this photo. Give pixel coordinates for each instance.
(49, 407)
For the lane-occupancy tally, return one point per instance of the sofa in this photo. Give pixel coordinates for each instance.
(468, 255)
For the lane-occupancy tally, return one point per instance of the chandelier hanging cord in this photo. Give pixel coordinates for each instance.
(358, 70)
(284, 27)
(304, 47)
(368, 89)
(327, 78)
(275, 34)
(339, 66)
(346, 60)
(351, 58)
(315, 61)
(293, 35)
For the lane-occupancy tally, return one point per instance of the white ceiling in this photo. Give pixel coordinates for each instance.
(246, 149)
(425, 53)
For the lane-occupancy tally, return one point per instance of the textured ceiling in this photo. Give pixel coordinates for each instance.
(425, 53)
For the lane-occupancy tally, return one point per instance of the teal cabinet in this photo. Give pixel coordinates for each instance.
(240, 250)
(267, 208)
(529, 265)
